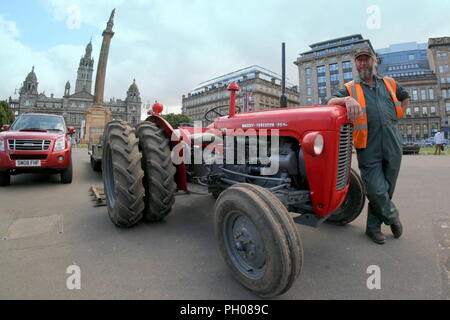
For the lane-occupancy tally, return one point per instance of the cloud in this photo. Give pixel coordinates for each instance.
(52, 66)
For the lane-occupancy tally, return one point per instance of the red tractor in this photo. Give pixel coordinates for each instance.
(258, 203)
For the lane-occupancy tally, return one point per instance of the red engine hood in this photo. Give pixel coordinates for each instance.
(48, 135)
(299, 119)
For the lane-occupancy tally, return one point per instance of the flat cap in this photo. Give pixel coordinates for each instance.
(363, 52)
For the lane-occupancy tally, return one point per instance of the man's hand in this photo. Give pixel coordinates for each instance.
(354, 110)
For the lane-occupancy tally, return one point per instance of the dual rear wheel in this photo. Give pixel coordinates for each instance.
(138, 174)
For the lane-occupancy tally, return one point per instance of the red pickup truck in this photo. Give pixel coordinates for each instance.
(36, 143)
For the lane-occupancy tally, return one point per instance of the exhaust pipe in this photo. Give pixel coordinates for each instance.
(283, 100)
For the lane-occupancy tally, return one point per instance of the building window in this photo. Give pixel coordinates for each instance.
(441, 69)
(408, 111)
(348, 76)
(308, 81)
(423, 93)
(442, 80)
(346, 65)
(334, 77)
(309, 91)
(334, 67)
(409, 130)
(321, 79)
(321, 69)
(308, 71)
(415, 95)
(416, 111)
(446, 68)
(433, 111)
(431, 92)
(425, 111)
(447, 107)
(444, 93)
(411, 57)
(438, 56)
(417, 129)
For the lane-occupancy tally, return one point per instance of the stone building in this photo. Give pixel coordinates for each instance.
(439, 57)
(260, 89)
(421, 70)
(73, 105)
(326, 67)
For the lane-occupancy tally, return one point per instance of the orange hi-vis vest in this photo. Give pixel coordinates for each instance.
(360, 129)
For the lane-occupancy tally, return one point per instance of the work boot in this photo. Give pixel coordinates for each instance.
(397, 229)
(377, 237)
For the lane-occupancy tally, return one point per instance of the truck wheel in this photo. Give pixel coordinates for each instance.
(353, 203)
(66, 174)
(5, 179)
(96, 165)
(258, 239)
(159, 171)
(122, 174)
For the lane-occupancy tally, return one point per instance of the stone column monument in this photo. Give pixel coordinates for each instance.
(98, 116)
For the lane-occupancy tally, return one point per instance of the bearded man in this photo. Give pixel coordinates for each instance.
(374, 104)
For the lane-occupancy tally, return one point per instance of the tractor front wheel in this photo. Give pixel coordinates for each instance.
(258, 239)
(353, 203)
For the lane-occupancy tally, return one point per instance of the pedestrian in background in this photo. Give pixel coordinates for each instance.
(438, 140)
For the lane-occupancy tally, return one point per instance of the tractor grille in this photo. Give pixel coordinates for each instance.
(345, 155)
(29, 145)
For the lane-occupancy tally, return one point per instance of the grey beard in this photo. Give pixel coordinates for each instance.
(365, 75)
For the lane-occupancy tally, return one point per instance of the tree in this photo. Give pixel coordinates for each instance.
(6, 115)
(176, 119)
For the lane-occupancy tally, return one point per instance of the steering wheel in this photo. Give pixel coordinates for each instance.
(213, 113)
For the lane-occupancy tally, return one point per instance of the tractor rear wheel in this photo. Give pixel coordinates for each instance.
(353, 203)
(159, 171)
(258, 239)
(122, 174)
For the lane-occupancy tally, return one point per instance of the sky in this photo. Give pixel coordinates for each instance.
(171, 46)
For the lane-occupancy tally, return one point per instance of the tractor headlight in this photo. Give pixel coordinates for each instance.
(313, 143)
(60, 144)
(318, 144)
(2, 145)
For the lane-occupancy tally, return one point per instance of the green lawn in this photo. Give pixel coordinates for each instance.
(427, 151)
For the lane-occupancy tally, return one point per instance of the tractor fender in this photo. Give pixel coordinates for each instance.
(180, 176)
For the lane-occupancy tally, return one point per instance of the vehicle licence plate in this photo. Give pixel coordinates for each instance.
(28, 163)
